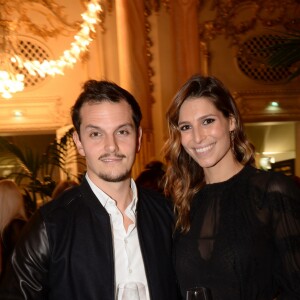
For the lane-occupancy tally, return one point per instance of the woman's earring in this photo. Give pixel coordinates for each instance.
(232, 140)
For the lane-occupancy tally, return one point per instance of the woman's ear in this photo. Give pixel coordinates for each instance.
(78, 144)
(232, 123)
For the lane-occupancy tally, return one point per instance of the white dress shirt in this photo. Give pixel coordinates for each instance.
(129, 264)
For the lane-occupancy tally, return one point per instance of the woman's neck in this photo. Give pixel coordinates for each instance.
(220, 173)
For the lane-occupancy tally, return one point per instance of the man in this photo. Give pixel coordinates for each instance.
(105, 231)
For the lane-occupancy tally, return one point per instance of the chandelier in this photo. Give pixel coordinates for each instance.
(10, 80)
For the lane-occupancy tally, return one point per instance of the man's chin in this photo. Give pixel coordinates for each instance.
(115, 177)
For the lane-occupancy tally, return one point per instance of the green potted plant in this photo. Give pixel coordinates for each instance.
(37, 174)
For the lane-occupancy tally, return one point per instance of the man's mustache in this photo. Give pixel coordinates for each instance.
(108, 155)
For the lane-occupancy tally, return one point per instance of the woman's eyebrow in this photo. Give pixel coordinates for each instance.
(200, 118)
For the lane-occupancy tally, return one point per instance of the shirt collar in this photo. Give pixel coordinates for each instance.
(104, 198)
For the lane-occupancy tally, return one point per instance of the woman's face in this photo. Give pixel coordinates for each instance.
(205, 133)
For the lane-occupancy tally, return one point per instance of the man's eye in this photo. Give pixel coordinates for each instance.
(94, 134)
(123, 132)
(208, 121)
(184, 127)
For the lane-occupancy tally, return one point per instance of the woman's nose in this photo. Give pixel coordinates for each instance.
(198, 135)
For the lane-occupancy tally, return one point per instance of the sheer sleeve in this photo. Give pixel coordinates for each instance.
(284, 196)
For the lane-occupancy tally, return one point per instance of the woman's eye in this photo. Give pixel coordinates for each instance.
(184, 127)
(208, 121)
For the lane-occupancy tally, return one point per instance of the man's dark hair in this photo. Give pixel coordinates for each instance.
(98, 91)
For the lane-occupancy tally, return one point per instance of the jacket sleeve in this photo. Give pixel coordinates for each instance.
(26, 275)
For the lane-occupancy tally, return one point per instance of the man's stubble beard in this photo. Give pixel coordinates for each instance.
(115, 178)
(111, 177)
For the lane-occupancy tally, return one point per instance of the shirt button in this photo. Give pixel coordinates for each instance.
(130, 271)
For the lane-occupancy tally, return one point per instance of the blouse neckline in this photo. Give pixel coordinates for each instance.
(229, 181)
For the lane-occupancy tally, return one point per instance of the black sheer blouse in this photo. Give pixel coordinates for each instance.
(244, 241)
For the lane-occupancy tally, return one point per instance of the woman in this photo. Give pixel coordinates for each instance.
(12, 219)
(238, 228)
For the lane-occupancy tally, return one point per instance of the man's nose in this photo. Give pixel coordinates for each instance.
(110, 144)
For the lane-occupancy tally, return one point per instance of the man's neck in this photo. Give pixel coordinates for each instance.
(121, 191)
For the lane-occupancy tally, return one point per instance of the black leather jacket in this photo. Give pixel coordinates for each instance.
(66, 251)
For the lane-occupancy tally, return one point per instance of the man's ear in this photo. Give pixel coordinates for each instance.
(78, 144)
(139, 139)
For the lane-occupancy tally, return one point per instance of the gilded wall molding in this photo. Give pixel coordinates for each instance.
(150, 6)
(234, 18)
(255, 106)
(37, 114)
(52, 17)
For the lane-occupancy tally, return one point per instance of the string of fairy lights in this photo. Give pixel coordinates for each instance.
(12, 82)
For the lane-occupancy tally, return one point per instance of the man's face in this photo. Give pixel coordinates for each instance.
(108, 140)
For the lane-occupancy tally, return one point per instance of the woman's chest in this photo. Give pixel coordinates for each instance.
(223, 233)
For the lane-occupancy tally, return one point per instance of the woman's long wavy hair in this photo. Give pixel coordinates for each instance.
(184, 177)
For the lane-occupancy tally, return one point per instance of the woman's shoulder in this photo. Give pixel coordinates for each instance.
(274, 190)
(272, 181)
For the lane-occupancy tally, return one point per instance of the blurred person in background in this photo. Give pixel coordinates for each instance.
(12, 219)
(63, 186)
(152, 176)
